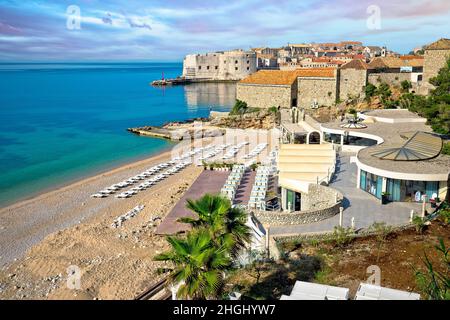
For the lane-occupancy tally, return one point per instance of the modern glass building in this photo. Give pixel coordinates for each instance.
(397, 157)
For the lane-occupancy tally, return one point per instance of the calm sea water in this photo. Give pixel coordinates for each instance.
(61, 122)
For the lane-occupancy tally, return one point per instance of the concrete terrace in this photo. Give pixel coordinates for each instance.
(208, 182)
(365, 208)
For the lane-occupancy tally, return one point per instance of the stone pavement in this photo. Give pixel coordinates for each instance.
(364, 207)
(209, 181)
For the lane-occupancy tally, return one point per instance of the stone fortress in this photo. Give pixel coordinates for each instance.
(324, 86)
(219, 66)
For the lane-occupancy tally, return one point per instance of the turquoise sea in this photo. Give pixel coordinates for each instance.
(63, 122)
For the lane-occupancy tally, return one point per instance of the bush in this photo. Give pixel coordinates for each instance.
(419, 223)
(435, 284)
(384, 91)
(436, 107)
(445, 215)
(240, 107)
(273, 109)
(382, 230)
(446, 148)
(370, 90)
(342, 236)
(406, 85)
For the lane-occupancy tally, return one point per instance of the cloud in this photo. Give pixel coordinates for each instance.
(160, 29)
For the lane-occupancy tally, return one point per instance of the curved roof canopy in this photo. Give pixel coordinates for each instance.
(419, 146)
(354, 125)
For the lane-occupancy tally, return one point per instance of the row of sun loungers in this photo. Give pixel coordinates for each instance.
(127, 216)
(233, 181)
(256, 151)
(139, 177)
(212, 151)
(152, 181)
(259, 189)
(315, 291)
(234, 150)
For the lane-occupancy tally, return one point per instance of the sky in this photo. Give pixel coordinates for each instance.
(167, 30)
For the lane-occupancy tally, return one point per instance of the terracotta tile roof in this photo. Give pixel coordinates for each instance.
(355, 64)
(410, 57)
(441, 44)
(282, 77)
(351, 42)
(394, 62)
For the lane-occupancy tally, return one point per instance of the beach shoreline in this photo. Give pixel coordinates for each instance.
(27, 222)
(106, 169)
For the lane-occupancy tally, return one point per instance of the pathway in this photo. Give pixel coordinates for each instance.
(208, 182)
(245, 188)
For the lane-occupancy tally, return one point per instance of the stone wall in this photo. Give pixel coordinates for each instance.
(322, 90)
(318, 204)
(274, 218)
(228, 65)
(433, 61)
(319, 197)
(391, 78)
(352, 83)
(264, 96)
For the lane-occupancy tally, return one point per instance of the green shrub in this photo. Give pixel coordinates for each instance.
(342, 236)
(444, 214)
(446, 148)
(382, 230)
(273, 109)
(435, 284)
(419, 223)
(406, 85)
(370, 90)
(240, 107)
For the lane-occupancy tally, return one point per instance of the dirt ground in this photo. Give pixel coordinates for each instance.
(397, 257)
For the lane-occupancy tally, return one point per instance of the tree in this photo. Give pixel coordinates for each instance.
(406, 85)
(436, 107)
(226, 224)
(370, 90)
(199, 264)
(240, 107)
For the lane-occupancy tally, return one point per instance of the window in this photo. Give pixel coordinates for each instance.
(207, 67)
(199, 67)
(236, 68)
(248, 61)
(235, 61)
(371, 183)
(216, 67)
(248, 68)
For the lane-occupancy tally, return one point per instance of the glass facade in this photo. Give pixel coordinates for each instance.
(349, 140)
(371, 183)
(294, 198)
(398, 190)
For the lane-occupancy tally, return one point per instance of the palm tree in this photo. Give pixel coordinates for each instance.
(199, 264)
(226, 224)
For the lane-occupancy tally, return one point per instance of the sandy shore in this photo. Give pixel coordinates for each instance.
(43, 236)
